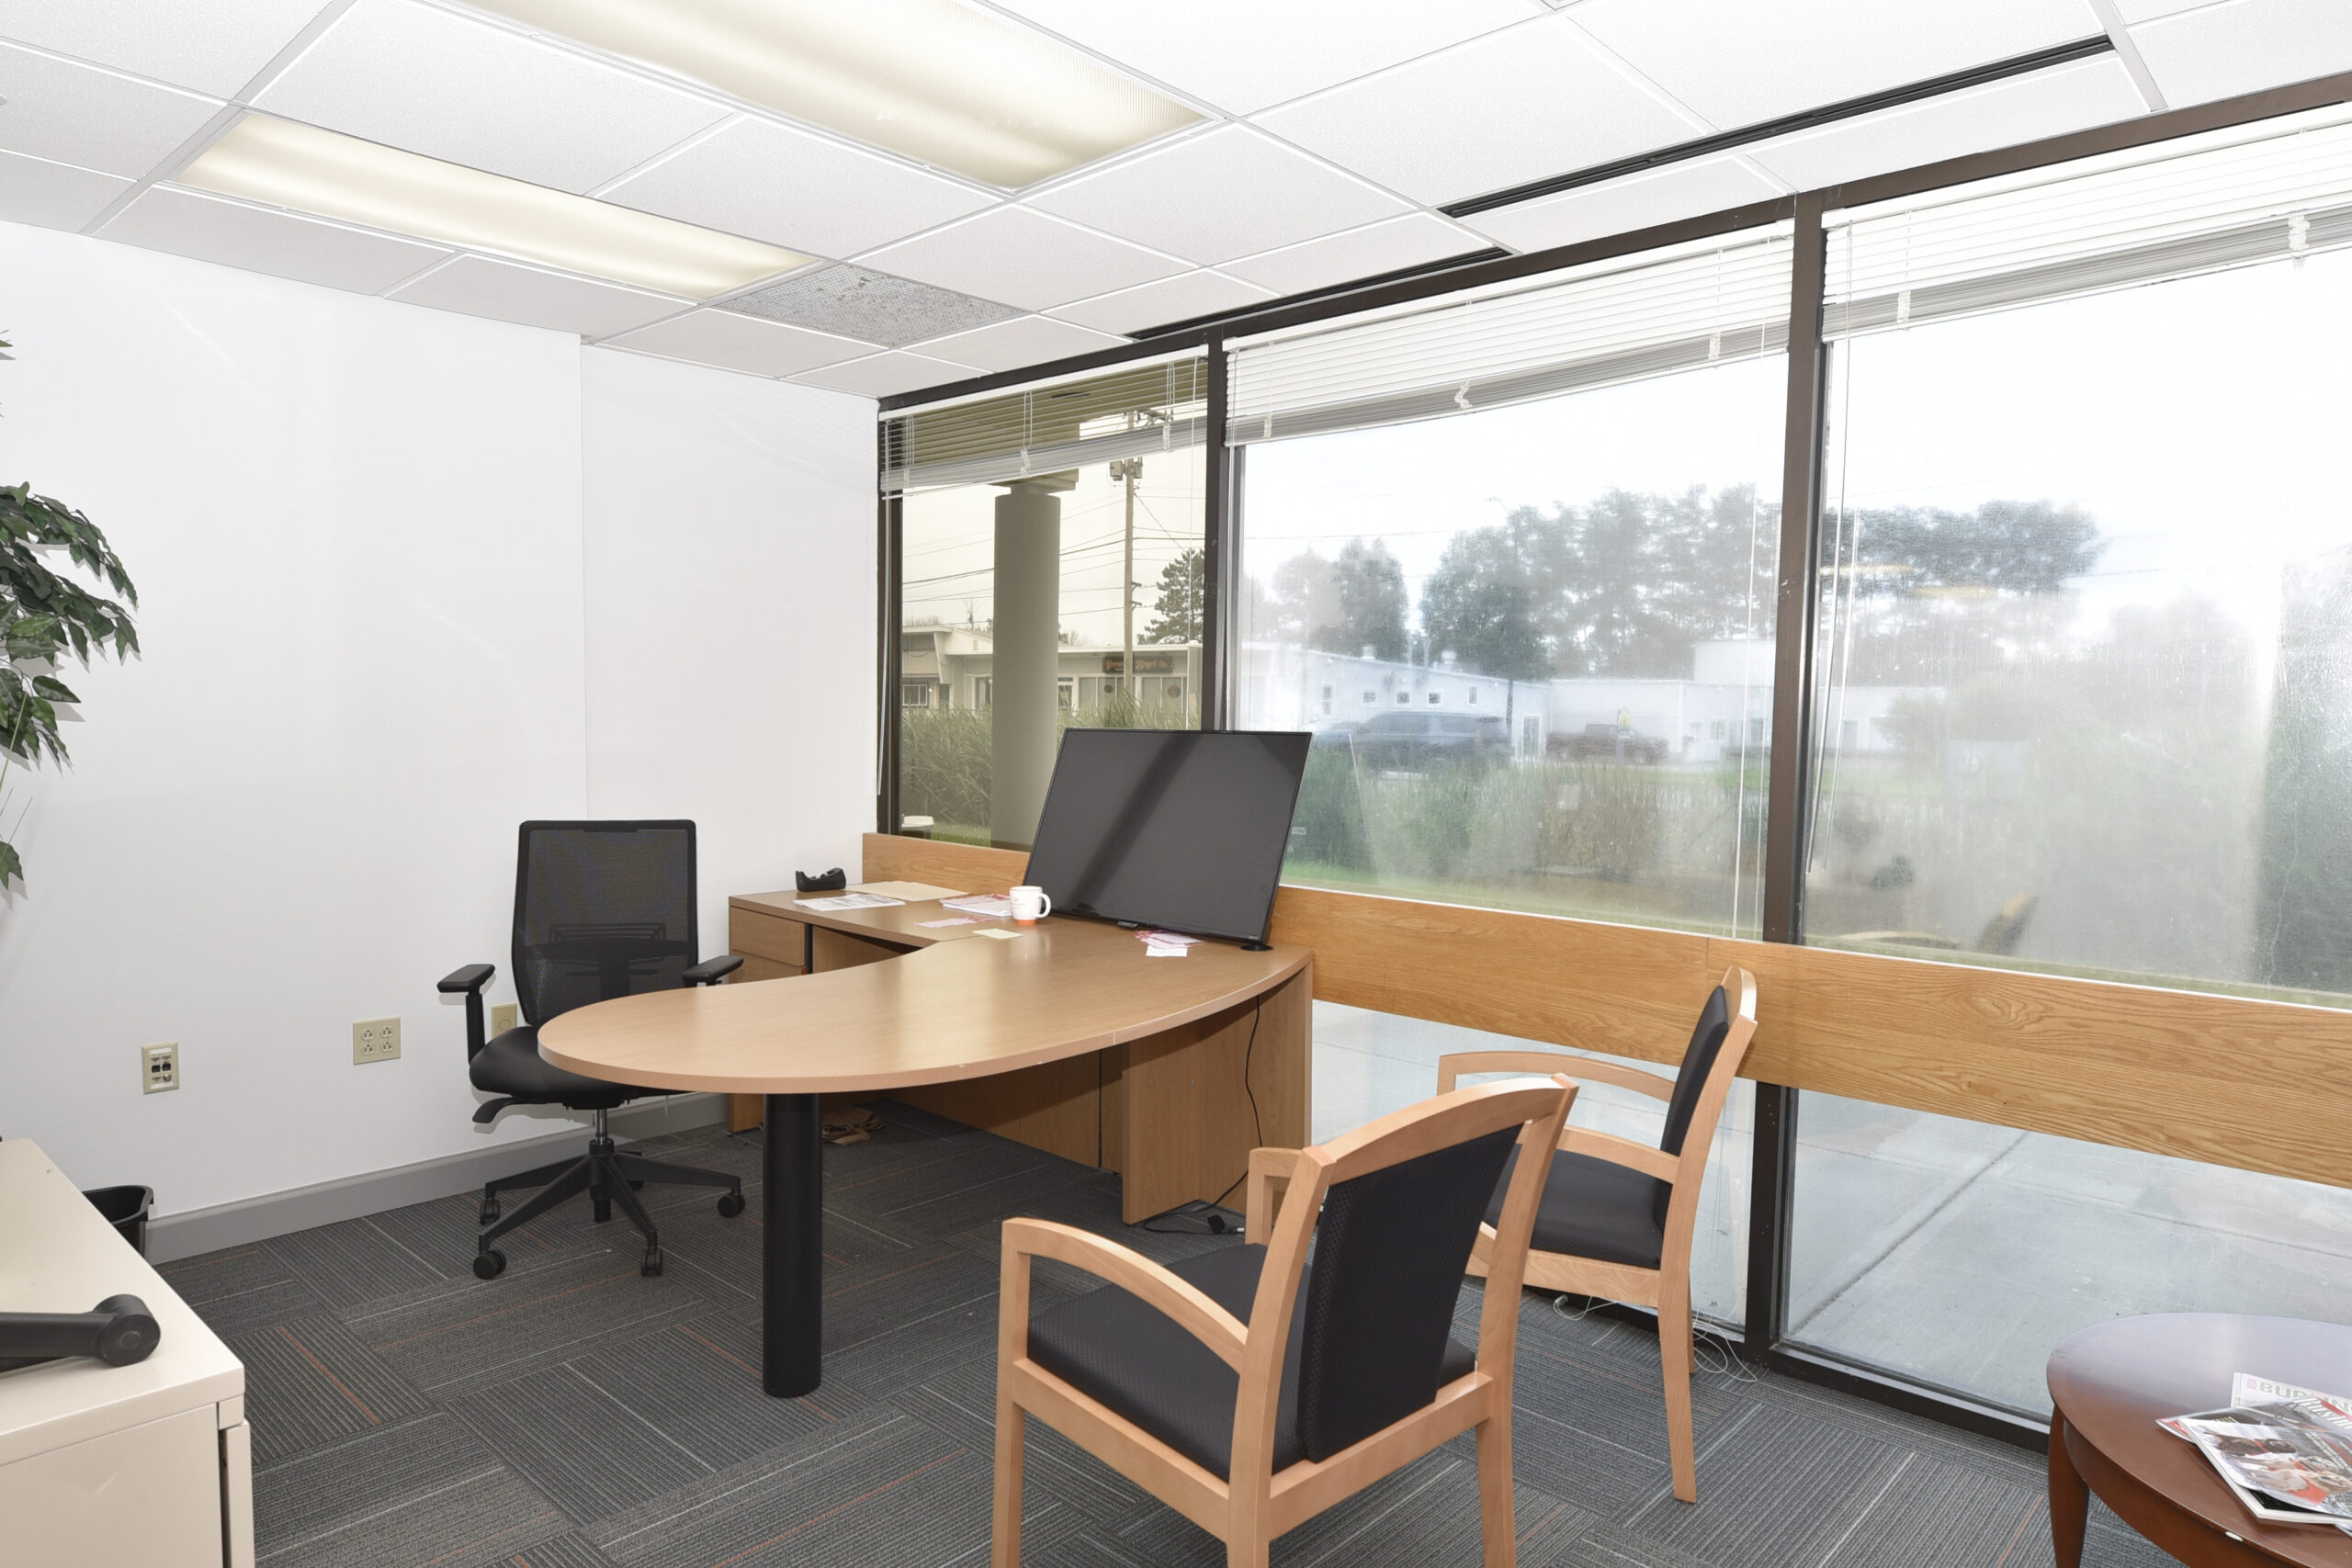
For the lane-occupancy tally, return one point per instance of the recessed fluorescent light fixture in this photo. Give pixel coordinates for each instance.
(310, 170)
(936, 80)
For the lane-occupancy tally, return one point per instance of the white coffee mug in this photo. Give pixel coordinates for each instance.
(1029, 904)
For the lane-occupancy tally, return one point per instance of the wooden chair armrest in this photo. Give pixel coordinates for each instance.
(1133, 1272)
(1584, 1069)
(1620, 1151)
(1261, 1203)
(1450, 1069)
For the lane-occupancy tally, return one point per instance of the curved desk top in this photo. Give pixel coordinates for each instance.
(956, 1008)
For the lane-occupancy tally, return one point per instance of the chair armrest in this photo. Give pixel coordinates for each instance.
(1620, 1151)
(1262, 1201)
(1133, 1272)
(1583, 1070)
(711, 971)
(468, 982)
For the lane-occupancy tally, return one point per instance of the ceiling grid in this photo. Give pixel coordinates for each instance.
(922, 218)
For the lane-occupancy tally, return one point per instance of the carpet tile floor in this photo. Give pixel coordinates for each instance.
(572, 1413)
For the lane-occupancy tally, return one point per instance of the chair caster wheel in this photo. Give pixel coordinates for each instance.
(730, 1205)
(653, 1264)
(489, 1265)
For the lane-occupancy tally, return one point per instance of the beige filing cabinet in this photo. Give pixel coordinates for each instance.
(145, 1466)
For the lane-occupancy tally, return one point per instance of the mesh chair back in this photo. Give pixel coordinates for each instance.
(1389, 1254)
(602, 909)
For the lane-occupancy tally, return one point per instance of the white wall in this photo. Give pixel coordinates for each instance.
(731, 558)
(382, 624)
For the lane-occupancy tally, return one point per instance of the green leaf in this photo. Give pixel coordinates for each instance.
(12, 867)
(53, 689)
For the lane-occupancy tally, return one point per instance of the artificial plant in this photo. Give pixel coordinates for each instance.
(44, 615)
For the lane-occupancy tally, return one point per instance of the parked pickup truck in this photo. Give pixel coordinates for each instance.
(1601, 741)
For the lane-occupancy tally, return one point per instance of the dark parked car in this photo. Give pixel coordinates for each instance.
(1414, 742)
(1603, 741)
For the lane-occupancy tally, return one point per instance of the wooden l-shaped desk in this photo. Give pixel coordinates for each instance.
(1067, 1037)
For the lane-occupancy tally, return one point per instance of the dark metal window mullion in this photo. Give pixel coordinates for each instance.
(1221, 550)
(890, 557)
(1771, 1191)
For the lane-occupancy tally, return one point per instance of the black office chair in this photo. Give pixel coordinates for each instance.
(602, 909)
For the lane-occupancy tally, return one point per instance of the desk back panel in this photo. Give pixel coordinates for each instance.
(2233, 1082)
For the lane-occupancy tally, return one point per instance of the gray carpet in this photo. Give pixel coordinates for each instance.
(573, 1414)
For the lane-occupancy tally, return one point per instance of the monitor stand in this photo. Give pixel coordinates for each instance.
(1256, 947)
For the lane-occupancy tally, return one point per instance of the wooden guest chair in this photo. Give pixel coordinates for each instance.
(1249, 1388)
(1617, 1215)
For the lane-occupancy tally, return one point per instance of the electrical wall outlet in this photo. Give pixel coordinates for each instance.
(375, 1040)
(504, 1017)
(159, 1068)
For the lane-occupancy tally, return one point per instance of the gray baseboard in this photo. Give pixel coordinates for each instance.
(174, 1237)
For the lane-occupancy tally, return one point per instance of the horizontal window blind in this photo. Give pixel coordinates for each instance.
(1484, 349)
(1128, 412)
(2166, 214)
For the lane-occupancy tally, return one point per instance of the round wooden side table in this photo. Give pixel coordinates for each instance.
(2112, 1381)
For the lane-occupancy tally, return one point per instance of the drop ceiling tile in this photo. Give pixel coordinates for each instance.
(1636, 201)
(783, 186)
(214, 47)
(1739, 62)
(2245, 46)
(1243, 55)
(2001, 114)
(263, 239)
(71, 113)
(1363, 253)
(885, 375)
(54, 196)
(2134, 11)
(870, 307)
(741, 343)
(1524, 104)
(1015, 344)
(1230, 192)
(1022, 257)
(507, 291)
(486, 96)
(1169, 301)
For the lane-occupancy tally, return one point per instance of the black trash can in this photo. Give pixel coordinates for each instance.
(126, 1209)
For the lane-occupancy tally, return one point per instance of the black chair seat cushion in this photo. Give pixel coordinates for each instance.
(1135, 1359)
(1594, 1208)
(511, 1064)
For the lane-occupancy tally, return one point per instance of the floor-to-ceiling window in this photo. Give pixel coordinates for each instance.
(1052, 575)
(1508, 557)
(2085, 707)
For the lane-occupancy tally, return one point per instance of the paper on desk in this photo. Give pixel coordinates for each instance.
(1154, 950)
(1000, 935)
(980, 904)
(850, 901)
(1167, 939)
(907, 892)
(957, 920)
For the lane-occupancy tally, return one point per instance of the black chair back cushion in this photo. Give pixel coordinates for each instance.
(1698, 1061)
(602, 909)
(1389, 1256)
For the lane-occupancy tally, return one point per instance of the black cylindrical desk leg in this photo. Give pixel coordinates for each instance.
(791, 1262)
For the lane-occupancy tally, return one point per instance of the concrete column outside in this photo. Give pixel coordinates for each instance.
(1026, 654)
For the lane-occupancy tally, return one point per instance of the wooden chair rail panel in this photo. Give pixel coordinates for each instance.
(2252, 1084)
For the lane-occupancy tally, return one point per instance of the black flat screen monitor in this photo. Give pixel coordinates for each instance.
(1174, 829)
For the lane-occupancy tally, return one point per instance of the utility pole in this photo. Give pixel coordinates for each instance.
(1129, 469)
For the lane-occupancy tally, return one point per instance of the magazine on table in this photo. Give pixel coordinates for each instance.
(2284, 1451)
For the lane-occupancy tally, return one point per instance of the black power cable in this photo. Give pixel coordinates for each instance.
(1211, 1222)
